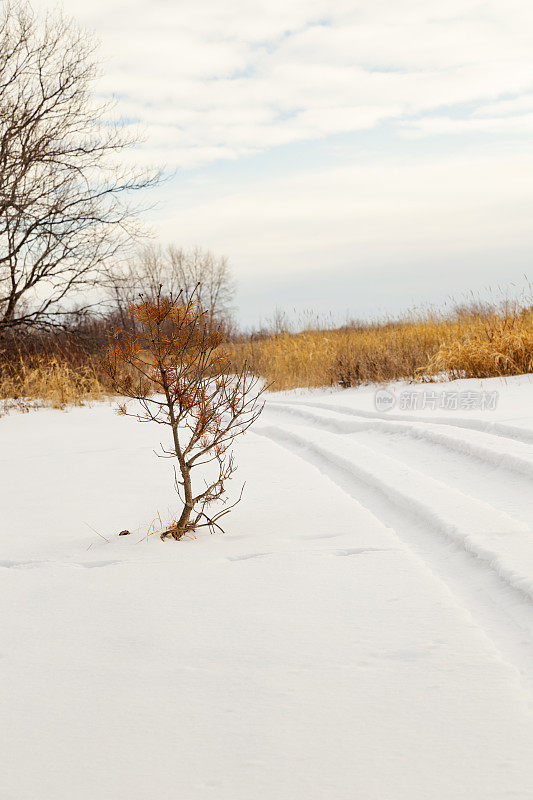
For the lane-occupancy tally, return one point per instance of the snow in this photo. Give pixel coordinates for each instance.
(364, 628)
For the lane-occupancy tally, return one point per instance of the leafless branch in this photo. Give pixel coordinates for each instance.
(64, 213)
(175, 347)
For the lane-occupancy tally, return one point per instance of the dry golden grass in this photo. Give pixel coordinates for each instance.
(476, 344)
(500, 344)
(51, 380)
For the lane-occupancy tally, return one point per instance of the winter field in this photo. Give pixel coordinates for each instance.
(362, 631)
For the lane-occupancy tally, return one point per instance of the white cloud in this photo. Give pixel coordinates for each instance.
(509, 124)
(213, 80)
(363, 214)
(518, 105)
(365, 237)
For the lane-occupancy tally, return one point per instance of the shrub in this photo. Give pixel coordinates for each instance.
(175, 352)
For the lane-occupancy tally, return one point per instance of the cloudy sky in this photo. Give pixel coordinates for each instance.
(355, 156)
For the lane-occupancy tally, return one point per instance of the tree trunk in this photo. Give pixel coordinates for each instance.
(182, 523)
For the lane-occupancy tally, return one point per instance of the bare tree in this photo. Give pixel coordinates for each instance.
(212, 275)
(173, 270)
(173, 365)
(63, 215)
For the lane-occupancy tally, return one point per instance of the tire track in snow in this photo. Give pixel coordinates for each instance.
(519, 461)
(476, 526)
(497, 594)
(500, 429)
(469, 466)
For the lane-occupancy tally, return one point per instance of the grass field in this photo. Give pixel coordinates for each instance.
(474, 343)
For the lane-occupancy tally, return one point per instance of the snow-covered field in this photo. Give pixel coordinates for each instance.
(363, 631)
